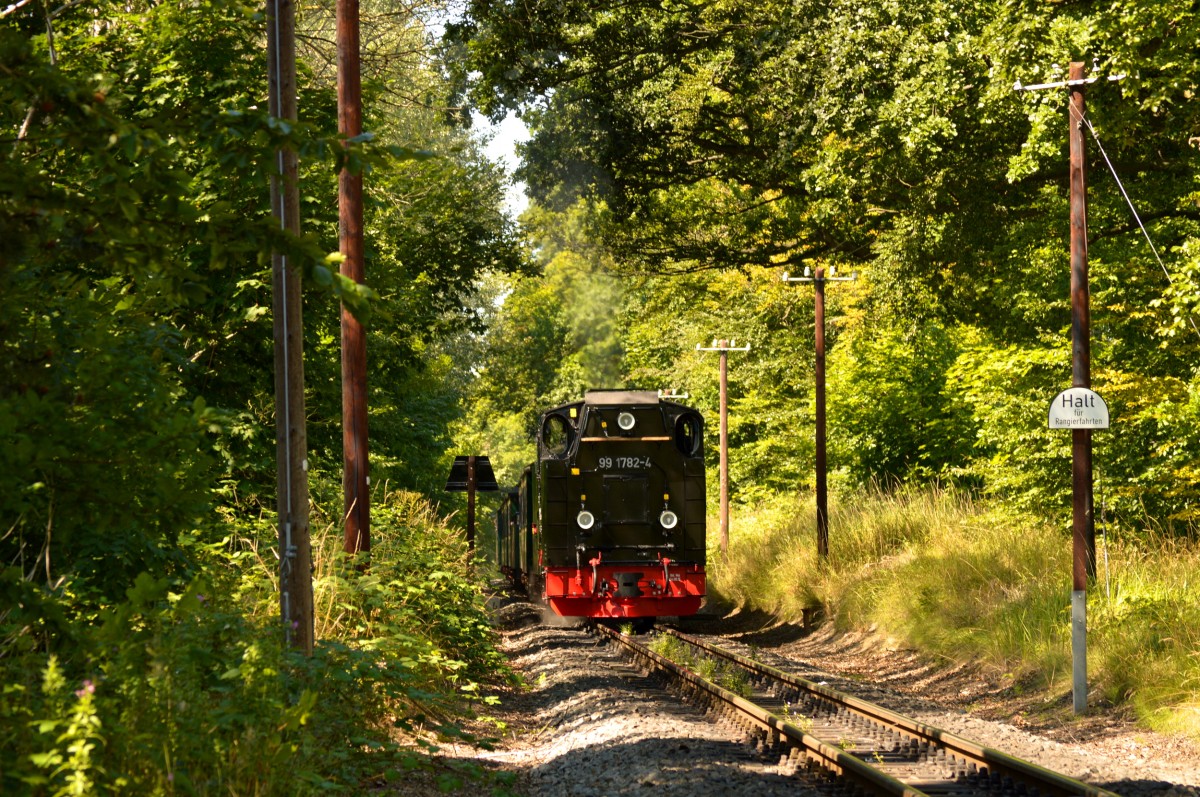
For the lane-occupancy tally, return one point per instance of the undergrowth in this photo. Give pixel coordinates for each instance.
(185, 686)
(962, 581)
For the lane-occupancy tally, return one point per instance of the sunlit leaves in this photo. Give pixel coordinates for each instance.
(886, 136)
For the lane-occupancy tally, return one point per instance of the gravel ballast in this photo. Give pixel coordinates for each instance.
(589, 724)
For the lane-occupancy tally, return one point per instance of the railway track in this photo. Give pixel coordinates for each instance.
(817, 729)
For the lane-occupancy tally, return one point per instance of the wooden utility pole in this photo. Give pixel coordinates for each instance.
(819, 376)
(724, 347)
(724, 386)
(471, 485)
(355, 477)
(818, 279)
(1083, 522)
(1083, 512)
(291, 439)
(1083, 527)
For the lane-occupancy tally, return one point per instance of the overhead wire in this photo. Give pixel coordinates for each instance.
(1112, 169)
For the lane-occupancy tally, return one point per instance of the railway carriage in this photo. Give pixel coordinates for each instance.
(611, 515)
(507, 521)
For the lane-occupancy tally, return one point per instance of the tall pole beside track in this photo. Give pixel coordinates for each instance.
(818, 279)
(471, 485)
(1083, 528)
(724, 391)
(724, 347)
(291, 436)
(355, 477)
(1083, 521)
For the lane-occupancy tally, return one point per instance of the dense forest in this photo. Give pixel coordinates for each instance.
(683, 156)
(694, 152)
(139, 626)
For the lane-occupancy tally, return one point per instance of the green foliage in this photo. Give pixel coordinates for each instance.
(103, 228)
(1007, 391)
(1147, 471)
(769, 387)
(139, 644)
(399, 606)
(550, 336)
(893, 416)
(434, 229)
(134, 235)
(177, 689)
(1144, 464)
(176, 692)
(70, 761)
(132, 220)
(721, 135)
(886, 137)
(106, 462)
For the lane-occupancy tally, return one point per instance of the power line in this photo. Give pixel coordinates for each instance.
(1153, 249)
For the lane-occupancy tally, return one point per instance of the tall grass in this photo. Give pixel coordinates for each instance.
(1145, 622)
(964, 581)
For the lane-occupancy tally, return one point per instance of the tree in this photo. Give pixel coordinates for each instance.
(723, 135)
(885, 137)
(112, 225)
(549, 336)
(134, 230)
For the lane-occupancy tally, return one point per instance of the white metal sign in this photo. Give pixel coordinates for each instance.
(1078, 408)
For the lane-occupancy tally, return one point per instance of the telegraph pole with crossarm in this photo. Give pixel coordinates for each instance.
(818, 279)
(1083, 525)
(724, 347)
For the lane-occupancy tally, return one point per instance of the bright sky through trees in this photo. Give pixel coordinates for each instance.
(506, 134)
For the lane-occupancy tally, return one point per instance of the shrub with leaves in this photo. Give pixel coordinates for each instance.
(179, 689)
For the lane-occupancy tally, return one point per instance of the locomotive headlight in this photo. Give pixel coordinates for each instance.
(668, 519)
(585, 519)
(625, 421)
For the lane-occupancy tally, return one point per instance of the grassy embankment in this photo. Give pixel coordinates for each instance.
(967, 582)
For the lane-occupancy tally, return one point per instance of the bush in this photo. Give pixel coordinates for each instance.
(185, 686)
(892, 416)
(173, 691)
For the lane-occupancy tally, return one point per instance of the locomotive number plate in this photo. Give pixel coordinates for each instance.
(624, 463)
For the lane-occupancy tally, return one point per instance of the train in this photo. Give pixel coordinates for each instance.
(608, 523)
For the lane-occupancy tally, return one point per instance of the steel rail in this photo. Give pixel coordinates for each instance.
(1046, 780)
(826, 755)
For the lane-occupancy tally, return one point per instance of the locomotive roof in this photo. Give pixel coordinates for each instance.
(597, 397)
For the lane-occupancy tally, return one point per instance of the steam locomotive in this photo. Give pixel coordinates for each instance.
(609, 521)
